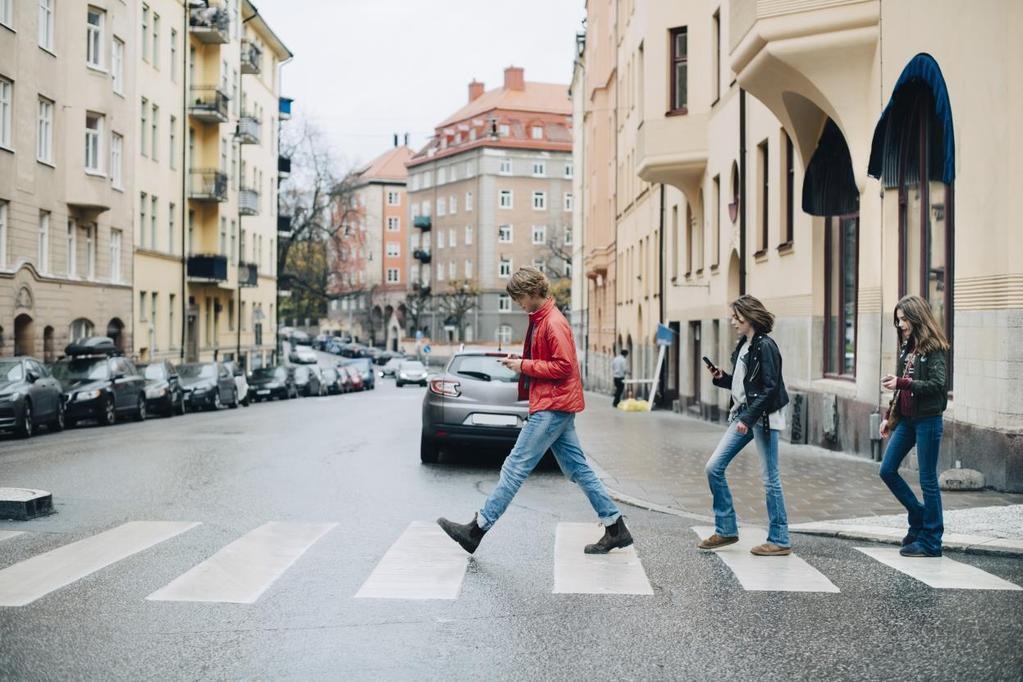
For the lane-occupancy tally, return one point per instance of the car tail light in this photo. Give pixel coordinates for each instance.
(445, 387)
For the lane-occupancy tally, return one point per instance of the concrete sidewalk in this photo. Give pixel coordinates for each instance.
(656, 460)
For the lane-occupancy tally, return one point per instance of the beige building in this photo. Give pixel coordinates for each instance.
(66, 130)
(787, 143)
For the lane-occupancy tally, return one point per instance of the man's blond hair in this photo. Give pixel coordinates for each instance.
(528, 281)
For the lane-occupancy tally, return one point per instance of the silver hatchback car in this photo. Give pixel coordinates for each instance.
(474, 401)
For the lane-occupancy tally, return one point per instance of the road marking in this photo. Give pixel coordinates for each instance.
(767, 573)
(575, 572)
(8, 534)
(33, 578)
(240, 572)
(424, 563)
(939, 572)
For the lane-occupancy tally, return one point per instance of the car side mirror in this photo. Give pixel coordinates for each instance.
(31, 377)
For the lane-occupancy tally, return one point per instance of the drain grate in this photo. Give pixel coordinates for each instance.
(22, 504)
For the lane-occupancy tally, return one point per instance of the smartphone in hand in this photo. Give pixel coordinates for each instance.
(710, 365)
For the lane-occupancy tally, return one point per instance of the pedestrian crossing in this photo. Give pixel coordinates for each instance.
(423, 564)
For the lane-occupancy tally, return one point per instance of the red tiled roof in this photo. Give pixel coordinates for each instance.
(388, 166)
(549, 98)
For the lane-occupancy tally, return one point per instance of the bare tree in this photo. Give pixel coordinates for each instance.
(418, 302)
(460, 299)
(557, 260)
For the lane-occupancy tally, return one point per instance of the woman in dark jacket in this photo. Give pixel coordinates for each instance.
(758, 396)
(914, 418)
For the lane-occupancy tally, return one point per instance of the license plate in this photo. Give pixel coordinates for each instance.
(262, 392)
(495, 420)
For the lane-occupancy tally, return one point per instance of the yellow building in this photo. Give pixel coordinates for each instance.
(777, 149)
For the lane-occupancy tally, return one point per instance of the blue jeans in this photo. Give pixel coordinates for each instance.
(724, 511)
(925, 520)
(554, 430)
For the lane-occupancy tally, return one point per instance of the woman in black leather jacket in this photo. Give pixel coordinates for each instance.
(758, 396)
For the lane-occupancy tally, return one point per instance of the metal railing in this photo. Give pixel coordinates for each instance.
(252, 57)
(248, 201)
(249, 129)
(208, 266)
(208, 102)
(207, 184)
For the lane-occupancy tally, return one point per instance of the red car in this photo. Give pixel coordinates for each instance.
(354, 382)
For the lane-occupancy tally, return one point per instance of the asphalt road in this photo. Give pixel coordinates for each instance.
(353, 461)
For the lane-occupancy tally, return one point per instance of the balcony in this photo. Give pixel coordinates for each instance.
(422, 255)
(210, 25)
(423, 222)
(249, 129)
(207, 184)
(248, 275)
(673, 150)
(284, 225)
(283, 166)
(208, 103)
(284, 108)
(252, 58)
(248, 201)
(207, 268)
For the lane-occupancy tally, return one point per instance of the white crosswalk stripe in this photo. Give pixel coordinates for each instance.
(771, 574)
(939, 572)
(244, 569)
(422, 564)
(8, 534)
(28, 580)
(575, 572)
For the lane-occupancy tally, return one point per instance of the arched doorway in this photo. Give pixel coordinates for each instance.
(115, 330)
(24, 335)
(48, 352)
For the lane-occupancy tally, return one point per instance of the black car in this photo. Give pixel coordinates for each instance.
(164, 394)
(29, 396)
(99, 383)
(307, 380)
(208, 386)
(267, 383)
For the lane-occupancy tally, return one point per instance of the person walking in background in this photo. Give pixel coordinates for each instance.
(915, 418)
(619, 370)
(549, 377)
(758, 396)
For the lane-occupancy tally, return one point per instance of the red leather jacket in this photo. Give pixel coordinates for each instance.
(552, 368)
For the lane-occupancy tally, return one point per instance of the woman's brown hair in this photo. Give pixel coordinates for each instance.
(923, 326)
(754, 312)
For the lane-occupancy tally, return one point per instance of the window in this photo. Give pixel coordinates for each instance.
(142, 307)
(504, 198)
(539, 234)
(3, 234)
(172, 146)
(716, 56)
(567, 201)
(504, 234)
(43, 246)
(790, 182)
(540, 265)
(716, 227)
(841, 248)
(468, 268)
(94, 38)
(145, 32)
(539, 201)
(393, 276)
(156, 41)
(44, 131)
(393, 199)
(427, 179)
(393, 249)
(504, 334)
(155, 143)
(170, 320)
(440, 239)
(468, 202)
(46, 24)
(174, 55)
(504, 268)
(393, 224)
(764, 216)
(536, 132)
(93, 142)
(468, 235)
(539, 169)
(679, 70)
(452, 270)
(115, 256)
(442, 175)
(506, 167)
(6, 103)
(452, 204)
(223, 236)
(143, 205)
(440, 272)
(7, 12)
(143, 127)
(426, 208)
(442, 206)
(170, 228)
(153, 222)
(451, 237)
(569, 171)
(117, 66)
(504, 130)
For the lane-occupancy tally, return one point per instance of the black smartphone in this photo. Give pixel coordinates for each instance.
(710, 365)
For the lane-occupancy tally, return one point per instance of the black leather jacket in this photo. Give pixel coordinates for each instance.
(765, 388)
(929, 385)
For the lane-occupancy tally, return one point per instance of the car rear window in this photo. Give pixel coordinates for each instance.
(482, 368)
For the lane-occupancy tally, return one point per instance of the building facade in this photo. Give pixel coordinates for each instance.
(810, 154)
(491, 192)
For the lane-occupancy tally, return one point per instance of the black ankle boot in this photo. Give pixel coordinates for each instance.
(615, 535)
(468, 535)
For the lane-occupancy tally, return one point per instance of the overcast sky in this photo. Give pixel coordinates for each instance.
(365, 69)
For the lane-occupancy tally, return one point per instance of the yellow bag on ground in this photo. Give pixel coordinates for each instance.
(633, 405)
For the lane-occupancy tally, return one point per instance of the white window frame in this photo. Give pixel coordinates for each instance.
(569, 170)
(156, 40)
(539, 169)
(536, 132)
(45, 22)
(505, 234)
(540, 230)
(117, 65)
(116, 237)
(452, 205)
(504, 303)
(452, 243)
(568, 201)
(143, 127)
(393, 276)
(94, 38)
(94, 143)
(393, 224)
(505, 168)
(468, 202)
(174, 55)
(172, 142)
(452, 270)
(72, 248)
(393, 198)
(394, 249)
(502, 271)
(504, 334)
(43, 243)
(442, 175)
(90, 244)
(505, 199)
(154, 144)
(145, 32)
(442, 206)
(3, 234)
(117, 161)
(503, 129)
(468, 235)
(44, 131)
(540, 265)
(7, 13)
(440, 239)
(540, 205)
(6, 111)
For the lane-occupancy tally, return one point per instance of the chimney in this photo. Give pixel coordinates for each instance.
(406, 139)
(514, 78)
(396, 139)
(475, 89)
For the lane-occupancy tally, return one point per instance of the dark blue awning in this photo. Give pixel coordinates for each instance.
(829, 186)
(920, 90)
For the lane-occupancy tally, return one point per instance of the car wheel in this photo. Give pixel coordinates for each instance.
(58, 422)
(27, 428)
(428, 452)
(108, 415)
(234, 401)
(399, 384)
(70, 422)
(140, 409)
(217, 404)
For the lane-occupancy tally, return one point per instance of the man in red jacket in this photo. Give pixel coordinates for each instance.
(549, 376)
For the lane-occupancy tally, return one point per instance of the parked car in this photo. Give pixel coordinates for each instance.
(307, 380)
(385, 356)
(391, 368)
(29, 396)
(303, 355)
(164, 394)
(354, 378)
(334, 345)
(267, 383)
(366, 369)
(354, 350)
(208, 386)
(320, 341)
(332, 380)
(411, 372)
(474, 401)
(99, 383)
(300, 338)
(318, 371)
(241, 382)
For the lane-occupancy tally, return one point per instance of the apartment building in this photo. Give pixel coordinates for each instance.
(66, 126)
(729, 113)
(369, 259)
(491, 192)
